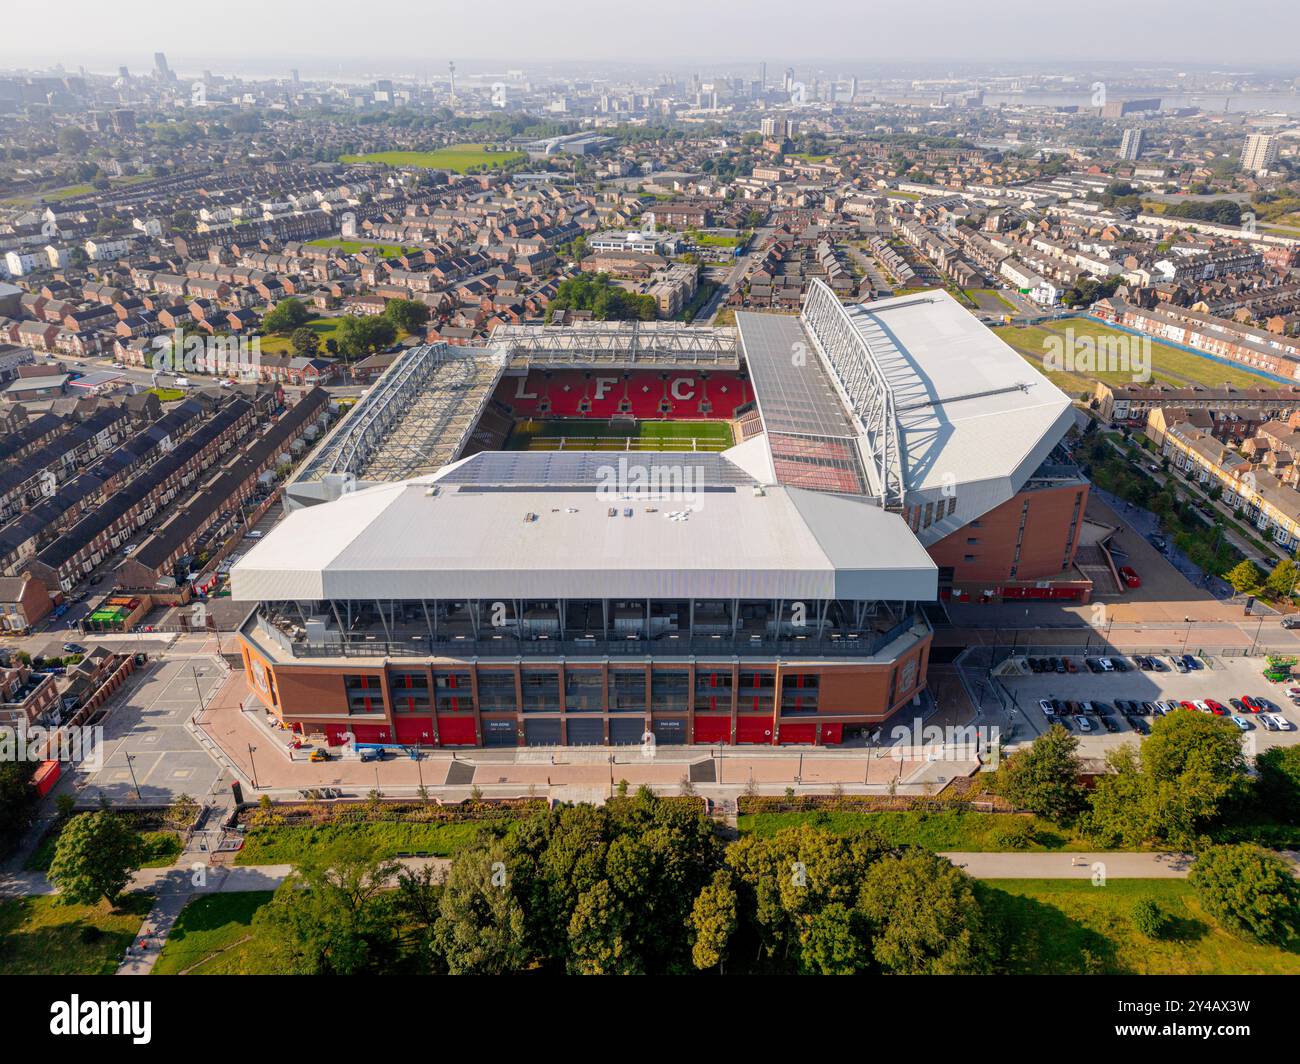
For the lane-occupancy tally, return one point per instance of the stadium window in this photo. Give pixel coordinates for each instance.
(968, 558)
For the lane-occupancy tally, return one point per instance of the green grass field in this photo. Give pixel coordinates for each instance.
(457, 157)
(947, 830)
(213, 935)
(1068, 926)
(39, 937)
(1169, 365)
(579, 434)
(352, 247)
(290, 843)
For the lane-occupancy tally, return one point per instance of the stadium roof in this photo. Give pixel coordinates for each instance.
(972, 419)
(426, 539)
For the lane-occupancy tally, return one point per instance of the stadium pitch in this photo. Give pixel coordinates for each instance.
(581, 434)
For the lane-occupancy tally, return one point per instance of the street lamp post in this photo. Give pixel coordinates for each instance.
(130, 764)
(252, 765)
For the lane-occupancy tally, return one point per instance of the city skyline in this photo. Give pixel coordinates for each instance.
(1114, 31)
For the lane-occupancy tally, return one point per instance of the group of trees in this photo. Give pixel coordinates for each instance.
(357, 335)
(1186, 781)
(641, 885)
(1246, 578)
(607, 302)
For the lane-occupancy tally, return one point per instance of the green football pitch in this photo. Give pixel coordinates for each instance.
(581, 434)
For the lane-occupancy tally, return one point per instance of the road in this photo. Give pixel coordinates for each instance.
(757, 247)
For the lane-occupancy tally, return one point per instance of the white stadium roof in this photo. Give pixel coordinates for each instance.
(422, 539)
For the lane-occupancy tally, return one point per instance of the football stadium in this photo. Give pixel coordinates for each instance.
(596, 533)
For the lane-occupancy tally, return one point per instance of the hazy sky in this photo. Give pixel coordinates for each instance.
(401, 35)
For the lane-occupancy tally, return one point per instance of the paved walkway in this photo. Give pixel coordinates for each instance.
(1110, 865)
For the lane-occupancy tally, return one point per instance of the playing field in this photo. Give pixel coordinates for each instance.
(580, 434)
(1169, 365)
(457, 157)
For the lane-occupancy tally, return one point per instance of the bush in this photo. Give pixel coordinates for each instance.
(1150, 919)
(1016, 836)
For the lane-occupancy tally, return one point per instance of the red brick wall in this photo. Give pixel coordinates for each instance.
(1048, 521)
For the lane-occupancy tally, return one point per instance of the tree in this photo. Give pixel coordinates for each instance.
(1279, 781)
(304, 342)
(409, 315)
(333, 915)
(835, 941)
(18, 801)
(1150, 919)
(182, 813)
(1244, 577)
(1249, 890)
(480, 929)
(360, 336)
(1044, 778)
(286, 316)
(599, 934)
(1189, 769)
(1282, 580)
(94, 858)
(925, 917)
(713, 920)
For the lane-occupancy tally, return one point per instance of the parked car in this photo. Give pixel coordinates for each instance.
(1192, 663)
(1292, 621)
(318, 755)
(1179, 664)
(1215, 707)
(1241, 722)
(1279, 721)
(1130, 576)
(1105, 665)
(73, 648)
(1267, 720)
(1047, 707)
(1083, 723)
(1140, 726)
(1251, 705)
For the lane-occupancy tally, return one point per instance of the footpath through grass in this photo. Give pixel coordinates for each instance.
(40, 937)
(1069, 926)
(289, 844)
(214, 936)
